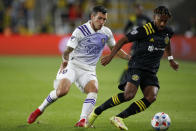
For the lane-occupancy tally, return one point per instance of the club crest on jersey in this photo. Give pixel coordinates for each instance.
(167, 40)
(135, 77)
(103, 40)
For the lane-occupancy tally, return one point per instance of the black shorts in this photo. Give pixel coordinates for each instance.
(139, 77)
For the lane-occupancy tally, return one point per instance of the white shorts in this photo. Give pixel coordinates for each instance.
(79, 73)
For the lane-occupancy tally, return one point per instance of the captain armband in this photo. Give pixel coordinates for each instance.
(170, 58)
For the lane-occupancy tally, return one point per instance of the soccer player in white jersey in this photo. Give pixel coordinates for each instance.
(84, 49)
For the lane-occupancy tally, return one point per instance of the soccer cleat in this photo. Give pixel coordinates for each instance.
(34, 116)
(81, 123)
(91, 119)
(118, 122)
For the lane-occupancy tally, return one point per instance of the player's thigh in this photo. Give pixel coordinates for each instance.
(63, 87)
(87, 82)
(132, 76)
(150, 86)
(149, 79)
(68, 74)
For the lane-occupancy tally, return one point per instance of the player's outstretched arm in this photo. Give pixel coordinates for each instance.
(172, 62)
(122, 54)
(106, 60)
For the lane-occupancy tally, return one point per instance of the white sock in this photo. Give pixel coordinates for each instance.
(88, 105)
(49, 100)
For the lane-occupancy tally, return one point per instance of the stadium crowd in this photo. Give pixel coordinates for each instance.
(62, 16)
(34, 16)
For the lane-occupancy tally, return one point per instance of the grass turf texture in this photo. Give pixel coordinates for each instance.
(26, 81)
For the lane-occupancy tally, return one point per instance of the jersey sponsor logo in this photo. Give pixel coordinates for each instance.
(92, 49)
(135, 77)
(152, 48)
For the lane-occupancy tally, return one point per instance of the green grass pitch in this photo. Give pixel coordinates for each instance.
(26, 81)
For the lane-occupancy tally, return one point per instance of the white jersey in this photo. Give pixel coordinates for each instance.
(88, 45)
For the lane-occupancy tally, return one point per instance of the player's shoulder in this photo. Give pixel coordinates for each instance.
(83, 26)
(82, 30)
(106, 30)
(148, 28)
(77, 31)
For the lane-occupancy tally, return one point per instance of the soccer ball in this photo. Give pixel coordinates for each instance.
(161, 121)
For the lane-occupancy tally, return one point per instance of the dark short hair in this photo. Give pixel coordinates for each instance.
(162, 10)
(99, 8)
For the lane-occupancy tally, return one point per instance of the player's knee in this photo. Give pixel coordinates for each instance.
(63, 88)
(94, 89)
(91, 87)
(62, 91)
(128, 96)
(151, 99)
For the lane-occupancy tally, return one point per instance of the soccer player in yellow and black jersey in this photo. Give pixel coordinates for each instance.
(152, 40)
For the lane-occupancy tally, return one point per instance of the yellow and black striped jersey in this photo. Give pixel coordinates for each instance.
(146, 30)
(149, 46)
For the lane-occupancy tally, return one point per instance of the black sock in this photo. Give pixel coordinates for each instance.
(134, 108)
(113, 101)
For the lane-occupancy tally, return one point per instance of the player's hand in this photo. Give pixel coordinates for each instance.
(129, 57)
(174, 64)
(106, 60)
(63, 65)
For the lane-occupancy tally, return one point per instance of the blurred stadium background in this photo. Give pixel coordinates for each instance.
(62, 16)
(43, 26)
(33, 34)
